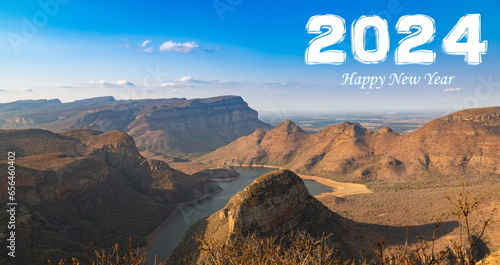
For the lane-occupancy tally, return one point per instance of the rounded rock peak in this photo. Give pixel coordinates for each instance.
(280, 183)
(113, 137)
(385, 130)
(288, 127)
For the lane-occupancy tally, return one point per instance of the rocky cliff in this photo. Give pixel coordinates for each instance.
(85, 186)
(465, 143)
(162, 126)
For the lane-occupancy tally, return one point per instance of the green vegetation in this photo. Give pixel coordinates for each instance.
(188, 157)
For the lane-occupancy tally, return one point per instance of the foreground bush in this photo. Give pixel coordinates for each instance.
(116, 256)
(296, 248)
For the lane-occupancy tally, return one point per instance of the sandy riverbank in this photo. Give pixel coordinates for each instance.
(339, 189)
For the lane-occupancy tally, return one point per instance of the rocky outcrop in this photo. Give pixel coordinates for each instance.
(218, 174)
(275, 204)
(162, 126)
(460, 144)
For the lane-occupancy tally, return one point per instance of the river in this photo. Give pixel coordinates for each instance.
(171, 233)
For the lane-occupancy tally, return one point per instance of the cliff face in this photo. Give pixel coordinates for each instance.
(194, 125)
(161, 126)
(462, 143)
(85, 186)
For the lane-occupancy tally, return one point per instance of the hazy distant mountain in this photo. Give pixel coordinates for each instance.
(84, 186)
(161, 126)
(463, 143)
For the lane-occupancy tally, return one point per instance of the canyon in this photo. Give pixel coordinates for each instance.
(158, 126)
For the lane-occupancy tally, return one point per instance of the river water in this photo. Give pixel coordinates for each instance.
(172, 233)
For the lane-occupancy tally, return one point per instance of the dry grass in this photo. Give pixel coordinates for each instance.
(130, 255)
(390, 212)
(295, 248)
(303, 249)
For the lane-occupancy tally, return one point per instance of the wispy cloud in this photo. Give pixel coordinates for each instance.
(144, 43)
(186, 47)
(456, 89)
(168, 84)
(120, 83)
(147, 50)
(4, 90)
(125, 44)
(63, 86)
(189, 81)
(124, 83)
(275, 84)
(25, 89)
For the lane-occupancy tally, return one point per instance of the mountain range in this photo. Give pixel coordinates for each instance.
(158, 126)
(82, 179)
(464, 143)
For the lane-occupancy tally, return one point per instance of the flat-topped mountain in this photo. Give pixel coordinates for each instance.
(162, 126)
(274, 204)
(463, 143)
(84, 186)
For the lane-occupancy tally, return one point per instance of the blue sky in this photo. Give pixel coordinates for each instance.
(161, 49)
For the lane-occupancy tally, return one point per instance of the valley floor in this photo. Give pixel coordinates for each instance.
(389, 212)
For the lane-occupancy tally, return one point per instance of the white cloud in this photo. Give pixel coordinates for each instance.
(190, 79)
(186, 47)
(124, 83)
(120, 83)
(176, 84)
(186, 79)
(3, 90)
(147, 50)
(25, 89)
(168, 84)
(457, 89)
(275, 84)
(100, 82)
(144, 43)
